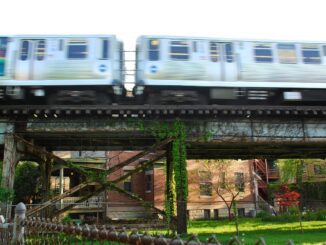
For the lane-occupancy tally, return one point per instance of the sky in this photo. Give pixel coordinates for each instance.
(128, 19)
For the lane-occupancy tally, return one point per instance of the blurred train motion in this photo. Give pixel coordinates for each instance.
(61, 69)
(169, 70)
(202, 70)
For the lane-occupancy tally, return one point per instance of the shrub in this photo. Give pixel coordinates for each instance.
(315, 215)
(66, 220)
(285, 217)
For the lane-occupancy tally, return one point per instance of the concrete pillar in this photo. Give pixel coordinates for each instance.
(10, 161)
(18, 231)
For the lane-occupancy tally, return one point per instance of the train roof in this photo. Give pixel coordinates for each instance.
(62, 36)
(229, 39)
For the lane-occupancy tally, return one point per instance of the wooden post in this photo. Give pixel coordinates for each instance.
(10, 161)
(18, 232)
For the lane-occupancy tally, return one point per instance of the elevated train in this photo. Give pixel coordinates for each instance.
(202, 70)
(61, 69)
(169, 70)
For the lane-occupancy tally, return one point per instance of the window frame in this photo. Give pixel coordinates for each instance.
(182, 44)
(40, 52)
(205, 183)
(148, 183)
(214, 55)
(27, 52)
(305, 47)
(153, 49)
(103, 53)
(255, 56)
(77, 42)
(239, 186)
(282, 60)
(128, 181)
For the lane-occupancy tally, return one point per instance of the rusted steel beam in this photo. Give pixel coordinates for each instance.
(59, 197)
(153, 148)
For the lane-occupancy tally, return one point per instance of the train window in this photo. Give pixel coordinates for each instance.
(3, 49)
(40, 50)
(153, 49)
(263, 53)
(77, 49)
(214, 50)
(287, 53)
(24, 49)
(229, 52)
(105, 49)
(324, 49)
(310, 54)
(179, 50)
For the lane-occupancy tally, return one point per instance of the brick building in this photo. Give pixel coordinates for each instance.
(203, 201)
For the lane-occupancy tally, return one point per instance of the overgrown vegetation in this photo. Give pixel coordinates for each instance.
(27, 185)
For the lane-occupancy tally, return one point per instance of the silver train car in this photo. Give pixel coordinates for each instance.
(61, 69)
(205, 70)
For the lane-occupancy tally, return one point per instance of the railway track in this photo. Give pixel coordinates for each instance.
(160, 111)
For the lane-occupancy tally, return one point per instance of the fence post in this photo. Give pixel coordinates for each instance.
(18, 233)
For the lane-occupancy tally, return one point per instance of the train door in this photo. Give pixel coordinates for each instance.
(30, 59)
(222, 53)
(3, 51)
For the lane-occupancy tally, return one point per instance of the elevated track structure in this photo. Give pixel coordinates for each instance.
(213, 132)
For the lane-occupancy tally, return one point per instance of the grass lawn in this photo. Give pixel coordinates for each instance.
(251, 229)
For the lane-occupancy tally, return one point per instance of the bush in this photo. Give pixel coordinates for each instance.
(263, 214)
(315, 215)
(285, 217)
(66, 220)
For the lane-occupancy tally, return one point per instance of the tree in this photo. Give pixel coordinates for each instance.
(227, 184)
(287, 198)
(27, 182)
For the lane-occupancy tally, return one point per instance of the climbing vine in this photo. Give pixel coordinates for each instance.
(177, 184)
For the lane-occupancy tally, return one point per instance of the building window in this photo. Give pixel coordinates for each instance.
(207, 213)
(216, 214)
(127, 186)
(105, 49)
(179, 50)
(77, 49)
(286, 53)
(40, 50)
(239, 181)
(222, 180)
(148, 182)
(310, 54)
(241, 212)
(153, 49)
(263, 53)
(205, 183)
(319, 169)
(24, 50)
(214, 51)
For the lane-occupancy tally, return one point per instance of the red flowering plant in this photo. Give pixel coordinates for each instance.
(287, 198)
